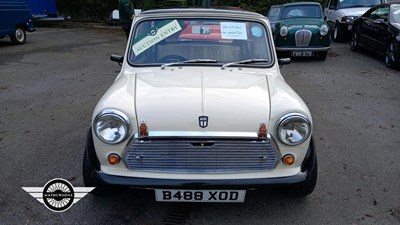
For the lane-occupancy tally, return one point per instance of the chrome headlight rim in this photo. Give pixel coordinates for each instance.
(285, 120)
(284, 31)
(118, 116)
(323, 31)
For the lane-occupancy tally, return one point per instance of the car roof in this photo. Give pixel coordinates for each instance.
(202, 12)
(386, 4)
(301, 3)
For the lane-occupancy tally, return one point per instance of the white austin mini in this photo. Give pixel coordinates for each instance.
(200, 112)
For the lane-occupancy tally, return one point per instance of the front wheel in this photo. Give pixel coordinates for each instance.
(282, 54)
(392, 57)
(88, 167)
(310, 164)
(19, 36)
(338, 33)
(321, 55)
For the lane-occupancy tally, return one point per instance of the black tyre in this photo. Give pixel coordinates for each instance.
(19, 36)
(354, 46)
(311, 166)
(392, 56)
(338, 33)
(282, 54)
(88, 181)
(321, 55)
(89, 166)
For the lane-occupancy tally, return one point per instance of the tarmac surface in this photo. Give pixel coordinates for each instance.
(50, 85)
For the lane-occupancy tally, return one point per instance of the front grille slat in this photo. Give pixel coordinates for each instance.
(200, 156)
(303, 37)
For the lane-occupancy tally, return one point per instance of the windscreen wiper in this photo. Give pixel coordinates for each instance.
(163, 66)
(247, 61)
(357, 6)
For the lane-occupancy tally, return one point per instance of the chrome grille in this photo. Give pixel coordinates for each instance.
(303, 37)
(197, 156)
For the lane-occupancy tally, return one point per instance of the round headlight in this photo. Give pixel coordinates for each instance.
(111, 126)
(284, 31)
(293, 129)
(323, 30)
(349, 19)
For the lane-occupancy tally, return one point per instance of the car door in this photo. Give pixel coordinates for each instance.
(330, 13)
(368, 28)
(381, 33)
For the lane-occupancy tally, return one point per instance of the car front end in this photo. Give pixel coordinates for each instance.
(347, 16)
(200, 125)
(301, 31)
(304, 39)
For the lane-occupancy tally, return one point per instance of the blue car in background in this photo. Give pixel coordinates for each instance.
(15, 20)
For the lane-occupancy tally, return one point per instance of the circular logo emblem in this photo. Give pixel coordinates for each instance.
(58, 195)
(153, 31)
(256, 31)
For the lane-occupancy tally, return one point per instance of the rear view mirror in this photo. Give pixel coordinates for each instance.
(117, 58)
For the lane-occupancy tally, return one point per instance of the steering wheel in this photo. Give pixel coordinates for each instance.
(172, 58)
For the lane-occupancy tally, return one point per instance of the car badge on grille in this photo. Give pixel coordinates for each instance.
(203, 121)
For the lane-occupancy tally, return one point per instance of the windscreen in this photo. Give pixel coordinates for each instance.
(273, 14)
(174, 40)
(357, 3)
(299, 11)
(396, 14)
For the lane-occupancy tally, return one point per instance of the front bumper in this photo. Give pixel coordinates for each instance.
(148, 183)
(346, 27)
(100, 179)
(30, 27)
(314, 49)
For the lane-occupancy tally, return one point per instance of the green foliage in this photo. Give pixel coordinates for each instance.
(95, 10)
(99, 10)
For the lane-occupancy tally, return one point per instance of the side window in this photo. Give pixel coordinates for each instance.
(384, 13)
(396, 14)
(274, 12)
(368, 13)
(380, 13)
(374, 14)
(332, 4)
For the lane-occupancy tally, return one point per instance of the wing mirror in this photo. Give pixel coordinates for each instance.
(117, 58)
(283, 61)
(380, 20)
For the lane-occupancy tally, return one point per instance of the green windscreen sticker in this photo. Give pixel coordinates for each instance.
(156, 35)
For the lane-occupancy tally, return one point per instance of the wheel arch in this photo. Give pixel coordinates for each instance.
(22, 25)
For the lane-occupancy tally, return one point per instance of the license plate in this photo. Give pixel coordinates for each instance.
(302, 53)
(349, 27)
(163, 195)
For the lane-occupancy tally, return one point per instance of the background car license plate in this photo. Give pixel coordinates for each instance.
(302, 53)
(163, 195)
